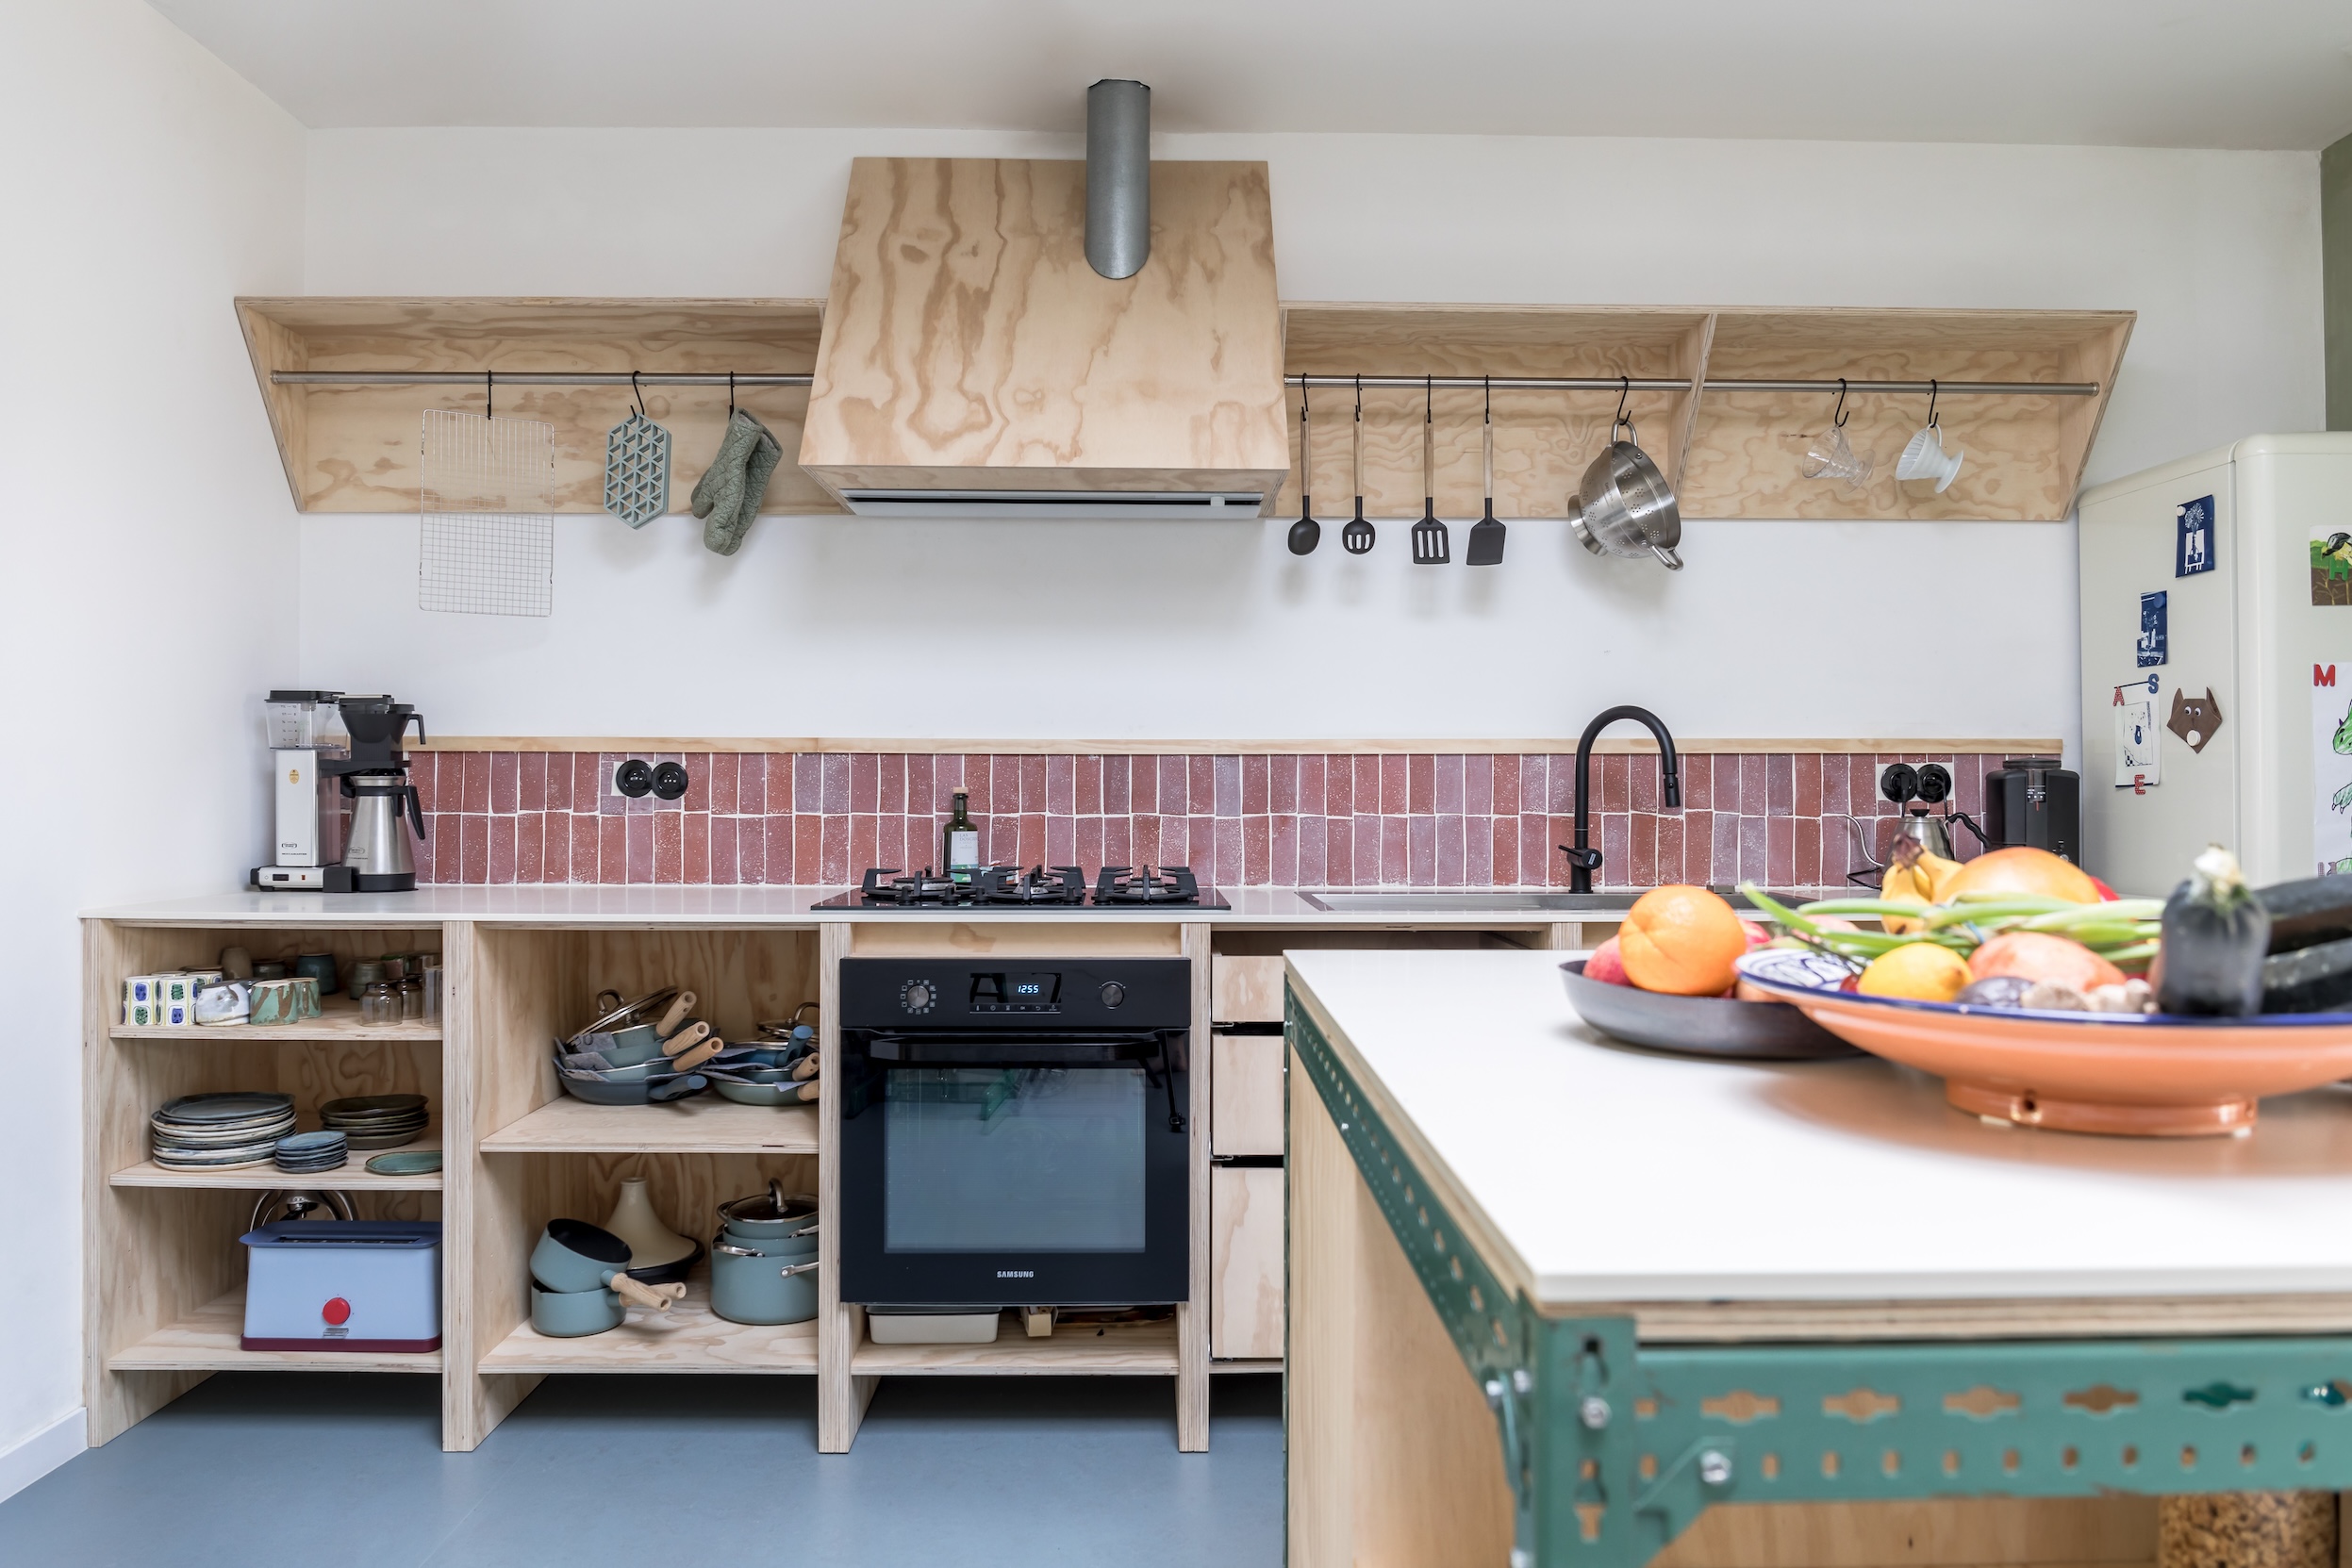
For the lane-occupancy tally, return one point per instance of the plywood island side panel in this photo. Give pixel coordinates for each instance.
(969, 343)
(356, 449)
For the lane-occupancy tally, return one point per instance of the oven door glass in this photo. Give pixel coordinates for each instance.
(1014, 1159)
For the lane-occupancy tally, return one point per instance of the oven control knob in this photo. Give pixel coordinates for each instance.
(1113, 993)
(916, 996)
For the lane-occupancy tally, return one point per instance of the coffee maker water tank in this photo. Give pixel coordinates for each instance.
(2034, 802)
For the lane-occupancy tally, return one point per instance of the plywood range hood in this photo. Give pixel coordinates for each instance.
(974, 364)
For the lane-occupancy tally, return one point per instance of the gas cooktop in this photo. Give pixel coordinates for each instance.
(1039, 887)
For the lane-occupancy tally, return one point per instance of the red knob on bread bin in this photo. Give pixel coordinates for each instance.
(337, 1312)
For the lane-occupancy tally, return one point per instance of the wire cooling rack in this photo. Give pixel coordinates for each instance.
(485, 533)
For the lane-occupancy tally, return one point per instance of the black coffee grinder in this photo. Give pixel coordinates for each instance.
(375, 778)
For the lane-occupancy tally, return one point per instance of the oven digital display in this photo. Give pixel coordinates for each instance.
(1014, 1160)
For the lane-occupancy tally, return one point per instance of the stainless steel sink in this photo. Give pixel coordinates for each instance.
(1456, 900)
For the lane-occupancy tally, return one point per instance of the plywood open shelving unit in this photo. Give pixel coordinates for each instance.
(1731, 453)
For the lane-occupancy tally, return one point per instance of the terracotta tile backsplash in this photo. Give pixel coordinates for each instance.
(1473, 819)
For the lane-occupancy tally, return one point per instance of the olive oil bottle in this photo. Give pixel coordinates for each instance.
(963, 842)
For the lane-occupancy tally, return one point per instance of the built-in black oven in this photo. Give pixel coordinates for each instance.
(1015, 1132)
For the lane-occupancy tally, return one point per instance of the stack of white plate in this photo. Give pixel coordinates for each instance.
(221, 1131)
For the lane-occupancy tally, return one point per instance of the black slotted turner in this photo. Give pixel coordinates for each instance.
(1433, 544)
(1484, 546)
(1358, 536)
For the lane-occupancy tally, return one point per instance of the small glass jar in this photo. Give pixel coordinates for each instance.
(433, 992)
(411, 999)
(379, 1004)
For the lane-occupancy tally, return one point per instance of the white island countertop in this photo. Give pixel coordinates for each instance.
(1590, 1172)
(576, 904)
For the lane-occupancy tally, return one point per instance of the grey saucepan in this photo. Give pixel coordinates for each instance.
(1624, 505)
(568, 1315)
(573, 1255)
(769, 1215)
(747, 1286)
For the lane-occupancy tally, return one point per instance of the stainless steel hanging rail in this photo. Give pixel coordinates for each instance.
(541, 378)
(1716, 383)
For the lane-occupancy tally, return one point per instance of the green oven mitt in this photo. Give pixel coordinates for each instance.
(727, 496)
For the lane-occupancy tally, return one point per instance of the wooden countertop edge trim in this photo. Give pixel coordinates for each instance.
(1611, 746)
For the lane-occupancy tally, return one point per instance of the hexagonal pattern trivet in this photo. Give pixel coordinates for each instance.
(636, 471)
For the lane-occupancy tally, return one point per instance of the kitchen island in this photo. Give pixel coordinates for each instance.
(1551, 1297)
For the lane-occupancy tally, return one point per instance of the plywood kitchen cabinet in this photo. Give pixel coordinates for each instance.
(355, 448)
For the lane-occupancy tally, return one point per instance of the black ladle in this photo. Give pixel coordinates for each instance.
(1358, 535)
(1306, 532)
(1484, 546)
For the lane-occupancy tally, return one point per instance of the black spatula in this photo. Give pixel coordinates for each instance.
(1433, 544)
(1484, 546)
(1358, 535)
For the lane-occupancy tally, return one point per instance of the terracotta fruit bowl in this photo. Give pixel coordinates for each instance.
(2156, 1076)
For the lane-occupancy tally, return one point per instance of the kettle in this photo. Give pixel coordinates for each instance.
(1624, 505)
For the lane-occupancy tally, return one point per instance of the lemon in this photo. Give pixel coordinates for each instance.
(1919, 971)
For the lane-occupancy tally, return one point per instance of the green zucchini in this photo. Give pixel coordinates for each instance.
(2309, 980)
(2215, 934)
(2307, 913)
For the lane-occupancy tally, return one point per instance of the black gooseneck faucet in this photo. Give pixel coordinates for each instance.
(1583, 860)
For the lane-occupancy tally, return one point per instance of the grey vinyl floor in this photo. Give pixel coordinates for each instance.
(259, 1469)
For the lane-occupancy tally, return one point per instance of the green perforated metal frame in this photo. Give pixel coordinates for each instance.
(1612, 1449)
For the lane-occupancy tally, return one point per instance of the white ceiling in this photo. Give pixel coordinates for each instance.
(2254, 73)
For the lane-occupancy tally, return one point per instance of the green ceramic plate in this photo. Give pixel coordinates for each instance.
(423, 1161)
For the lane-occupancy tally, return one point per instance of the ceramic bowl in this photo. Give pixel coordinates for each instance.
(2156, 1075)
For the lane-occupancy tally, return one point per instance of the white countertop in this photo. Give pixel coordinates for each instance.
(571, 904)
(1611, 1174)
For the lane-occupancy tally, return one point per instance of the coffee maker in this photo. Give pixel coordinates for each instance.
(297, 735)
(374, 777)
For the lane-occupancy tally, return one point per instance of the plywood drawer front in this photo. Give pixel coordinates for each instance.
(1248, 990)
(1245, 1094)
(1245, 1261)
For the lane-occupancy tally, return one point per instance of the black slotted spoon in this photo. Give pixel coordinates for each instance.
(1484, 546)
(1433, 544)
(1306, 532)
(1358, 535)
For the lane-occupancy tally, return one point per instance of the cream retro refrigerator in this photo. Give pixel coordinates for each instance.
(2217, 663)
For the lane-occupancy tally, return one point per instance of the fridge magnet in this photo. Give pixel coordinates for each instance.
(2331, 566)
(2154, 631)
(2192, 538)
(2194, 718)
(2331, 772)
(2138, 754)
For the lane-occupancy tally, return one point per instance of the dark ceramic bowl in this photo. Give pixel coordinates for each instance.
(1720, 1026)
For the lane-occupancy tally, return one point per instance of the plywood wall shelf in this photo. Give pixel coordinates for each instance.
(1731, 453)
(355, 448)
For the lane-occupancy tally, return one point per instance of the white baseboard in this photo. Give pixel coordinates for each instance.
(44, 1451)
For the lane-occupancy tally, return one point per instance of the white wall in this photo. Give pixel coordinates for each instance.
(150, 569)
(2218, 251)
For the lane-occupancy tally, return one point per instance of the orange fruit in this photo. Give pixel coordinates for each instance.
(1682, 941)
(2022, 870)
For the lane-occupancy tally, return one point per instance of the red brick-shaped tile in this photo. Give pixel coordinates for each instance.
(794, 850)
(1061, 841)
(1118, 774)
(1367, 848)
(786, 782)
(1420, 782)
(862, 848)
(1200, 784)
(670, 847)
(694, 859)
(1314, 853)
(1807, 799)
(1452, 858)
(612, 849)
(1478, 851)
(833, 861)
(1201, 846)
(448, 835)
(573, 786)
(1536, 860)
(1834, 784)
(1641, 779)
(1697, 774)
(1225, 866)
(1447, 784)
(1806, 863)
(1563, 831)
(1779, 783)
(1616, 851)
(423, 770)
(530, 846)
(1000, 837)
(1396, 786)
(1314, 768)
(1340, 788)
(1282, 849)
(1061, 784)
(1086, 850)
(1257, 851)
(531, 782)
(1692, 834)
(638, 850)
(1028, 776)
(968, 772)
(1968, 784)
(834, 771)
(1282, 784)
(1143, 841)
(556, 847)
(1395, 850)
(473, 787)
(1613, 789)
(747, 790)
(1368, 782)
(1225, 785)
(1117, 845)
(1085, 785)
(1752, 795)
(718, 783)
(1642, 843)
(721, 849)
(1668, 850)
(1722, 852)
(1781, 852)
(1029, 847)
(1755, 852)
(474, 849)
(1256, 783)
(1861, 784)
(1560, 785)
(587, 848)
(1171, 778)
(865, 783)
(697, 795)
(1478, 785)
(1339, 851)
(1509, 768)
(899, 841)
(1502, 850)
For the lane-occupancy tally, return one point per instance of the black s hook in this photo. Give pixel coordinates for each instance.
(1839, 416)
(489, 395)
(639, 392)
(1932, 390)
